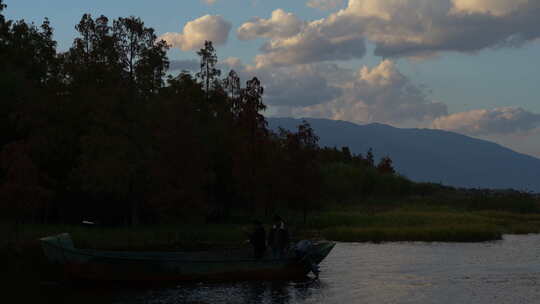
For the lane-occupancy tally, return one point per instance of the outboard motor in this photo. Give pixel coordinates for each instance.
(302, 250)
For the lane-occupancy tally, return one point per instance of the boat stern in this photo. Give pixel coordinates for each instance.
(54, 246)
(321, 251)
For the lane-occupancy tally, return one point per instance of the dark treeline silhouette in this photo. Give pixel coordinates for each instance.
(101, 132)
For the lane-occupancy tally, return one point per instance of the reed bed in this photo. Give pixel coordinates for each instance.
(169, 237)
(391, 221)
(464, 233)
(428, 224)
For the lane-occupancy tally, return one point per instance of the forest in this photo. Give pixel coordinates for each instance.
(103, 132)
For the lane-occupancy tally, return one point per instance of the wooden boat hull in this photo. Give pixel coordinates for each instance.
(155, 266)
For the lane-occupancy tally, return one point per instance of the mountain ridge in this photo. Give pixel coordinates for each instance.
(429, 155)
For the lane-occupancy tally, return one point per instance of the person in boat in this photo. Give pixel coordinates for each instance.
(278, 238)
(257, 239)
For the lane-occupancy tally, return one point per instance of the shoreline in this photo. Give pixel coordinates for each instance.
(26, 267)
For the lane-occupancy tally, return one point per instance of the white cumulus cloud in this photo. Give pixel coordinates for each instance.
(379, 94)
(408, 28)
(209, 27)
(280, 25)
(312, 44)
(324, 5)
(502, 120)
(493, 7)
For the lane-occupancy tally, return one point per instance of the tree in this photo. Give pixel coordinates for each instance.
(232, 85)
(23, 194)
(179, 170)
(370, 160)
(253, 136)
(132, 38)
(208, 73)
(251, 104)
(110, 69)
(385, 166)
(142, 57)
(303, 174)
(28, 72)
(347, 156)
(150, 70)
(94, 60)
(342, 181)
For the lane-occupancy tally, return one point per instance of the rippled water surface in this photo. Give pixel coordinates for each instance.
(507, 271)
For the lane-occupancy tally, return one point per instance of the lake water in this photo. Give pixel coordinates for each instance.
(506, 271)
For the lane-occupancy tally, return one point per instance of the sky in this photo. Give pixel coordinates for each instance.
(468, 66)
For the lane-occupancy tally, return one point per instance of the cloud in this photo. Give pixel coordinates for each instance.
(280, 25)
(408, 28)
(493, 7)
(324, 5)
(503, 120)
(195, 32)
(300, 85)
(326, 90)
(380, 94)
(311, 45)
(523, 142)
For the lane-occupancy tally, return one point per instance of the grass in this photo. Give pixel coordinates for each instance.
(428, 223)
(169, 237)
(418, 221)
(373, 221)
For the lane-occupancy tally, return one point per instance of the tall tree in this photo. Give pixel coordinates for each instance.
(232, 85)
(209, 72)
(370, 159)
(4, 28)
(251, 106)
(132, 37)
(304, 179)
(253, 136)
(151, 68)
(142, 56)
(94, 59)
(109, 68)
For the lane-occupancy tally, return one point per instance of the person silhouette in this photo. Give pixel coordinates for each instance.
(278, 238)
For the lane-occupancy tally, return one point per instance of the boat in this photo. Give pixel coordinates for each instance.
(125, 266)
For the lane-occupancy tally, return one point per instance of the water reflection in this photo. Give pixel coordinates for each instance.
(249, 292)
(507, 271)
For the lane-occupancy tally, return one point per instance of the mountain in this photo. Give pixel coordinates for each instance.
(430, 155)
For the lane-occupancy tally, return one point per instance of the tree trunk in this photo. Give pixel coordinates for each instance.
(134, 200)
(305, 211)
(135, 213)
